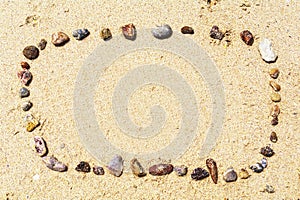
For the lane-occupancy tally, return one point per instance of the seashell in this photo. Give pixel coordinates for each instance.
(230, 175)
(42, 44)
(83, 167)
(187, 30)
(31, 122)
(98, 170)
(274, 121)
(244, 174)
(52, 163)
(115, 166)
(160, 169)
(129, 31)
(266, 51)
(31, 52)
(25, 65)
(215, 33)
(137, 168)
(247, 37)
(267, 151)
(257, 168)
(25, 76)
(276, 87)
(199, 174)
(275, 111)
(60, 38)
(275, 97)
(274, 73)
(40, 146)
(213, 169)
(26, 106)
(24, 92)
(273, 137)
(105, 34)
(162, 32)
(80, 34)
(180, 170)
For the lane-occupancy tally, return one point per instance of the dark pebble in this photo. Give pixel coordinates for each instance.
(160, 169)
(98, 170)
(215, 33)
(199, 173)
(247, 37)
(267, 151)
(274, 121)
(80, 34)
(25, 76)
(273, 137)
(187, 30)
(83, 167)
(26, 106)
(24, 92)
(31, 52)
(42, 44)
(25, 65)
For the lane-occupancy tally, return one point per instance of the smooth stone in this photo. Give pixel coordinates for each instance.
(266, 51)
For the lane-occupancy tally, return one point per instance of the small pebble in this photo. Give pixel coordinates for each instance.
(257, 168)
(42, 44)
(275, 111)
(25, 76)
(244, 174)
(266, 51)
(98, 170)
(36, 177)
(105, 34)
(80, 34)
(199, 174)
(275, 97)
(31, 52)
(276, 87)
(26, 105)
(269, 189)
(215, 33)
(60, 38)
(180, 170)
(274, 73)
(129, 31)
(230, 175)
(264, 162)
(137, 168)
(274, 121)
(25, 65)
(267, 151)
(273, 137)
(162, 32)
(83, 167)
(24, 92)
(40, 146)
(213, 169)
(247, 37)
(187, 30)
(31, 122)
(115, 166)
(160, 169)
(52, 163)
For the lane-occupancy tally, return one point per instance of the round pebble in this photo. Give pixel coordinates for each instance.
(275, 97)
(25, 65)
(162, 32)
(160, 169)
(31, 52)
(187, 30)
(26, 106)
(105, 34)
(230, 175)
(24, 92)
(273, 137)
(247, 37)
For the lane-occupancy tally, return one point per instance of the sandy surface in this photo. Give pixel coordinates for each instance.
(244, 74)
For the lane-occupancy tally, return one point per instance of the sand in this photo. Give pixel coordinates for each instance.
(246, 126)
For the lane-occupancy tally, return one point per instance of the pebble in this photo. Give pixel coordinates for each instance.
(274, 73)
(80, 34)
(59, 38)
(257, 168)
(199, 174)
(25, 76)
(137, 168)
(31, 122)
(25, 65)
(273, 137)
(244, 174)
(40, 146)
(180, 170)
(276, 87)
(105, 34)
(215, 33)
(24, 92)
(269, 189)
(267, 151)
(275, 111)
(274, 121)
(162, 32)
(247, 37)
(52, 163)
(42, 44)
(160, 169)
(264, 162)
(98, 170)
(275, 97)
(187, 30)
(213, 169)
(230, 175)
(83, 167)
(129, 31)
(31, 52)
(26, 105)
(266, 51)
(115, 166)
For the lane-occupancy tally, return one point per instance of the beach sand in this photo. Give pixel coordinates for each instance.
(245, 77)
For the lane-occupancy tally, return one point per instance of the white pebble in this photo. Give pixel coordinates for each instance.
(36, 177)
(266, 51)
(162, 32)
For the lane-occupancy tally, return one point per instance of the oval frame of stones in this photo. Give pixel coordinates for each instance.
(54, 164)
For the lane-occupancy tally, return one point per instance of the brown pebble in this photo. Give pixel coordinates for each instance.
(275, 111)
(273, 137)
(25, 65)
(267, 151)
(31, 52)
(42, 44)
(274, 121)
(215, 33)
(98, 170)
(187, 30)
(105, 34)
(129, 31)
(83, 167)
(247, 37)
(275, 97)
(160, 169)
(213, 169)
(25, 76)
(60, 38)
(274, 73)
(276, 87)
